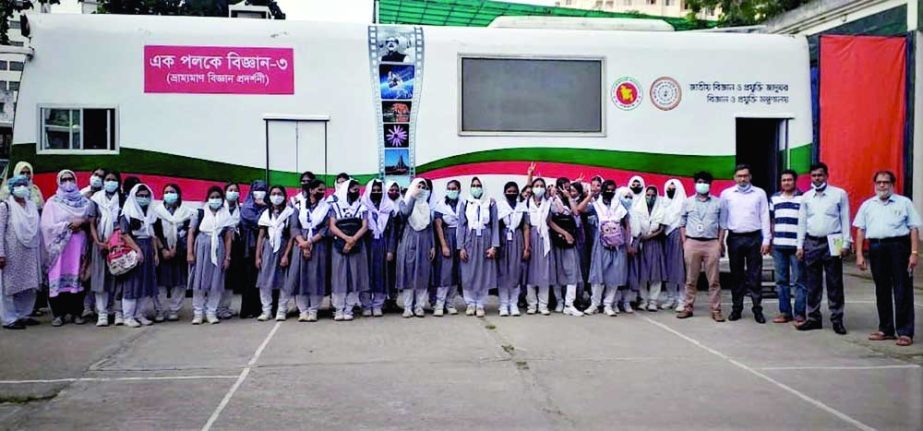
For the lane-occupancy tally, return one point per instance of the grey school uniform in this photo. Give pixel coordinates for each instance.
(173, 272)
(674, 262)
(608, 266)
(510, 266)
(308, 277)
(349, 272)
(566, 261)
(651, 268)
(413, 263)
(478, 274)
(272, 275)
(205, 275)
(445, 269)
(541, 265)
(101, 280)
(141, 281)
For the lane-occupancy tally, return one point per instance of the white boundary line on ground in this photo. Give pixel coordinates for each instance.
(858, 367)
(756, 373)
(113, 379)
(240, 379)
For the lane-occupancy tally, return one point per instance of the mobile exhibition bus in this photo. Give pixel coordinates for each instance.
(201, 101)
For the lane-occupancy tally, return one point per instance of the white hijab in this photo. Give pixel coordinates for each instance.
(511, 216)
(420, 217)
(673, 207)
(311, 219)
(637, 198)
(24, 222)
(384, 210)
(477, 210)
(649, 221)
(632, 219)
(449, 213)
(538, 218)
(615, 211)
(213, 224)
(132, 210)
(342, 205)
(275, 225)
(172, 222)
(108, 209)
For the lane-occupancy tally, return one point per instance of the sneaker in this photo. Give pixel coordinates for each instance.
(685, 314)
(303, 317)
(212, 319)
(197, 319)
(87, 313)
(172, 317)
(118, 321)
(57, 321)
(479, 312)
(263, 317)
(514, 311)
(530, 310)
(408, 312)
(451, 310)
(132, 323)
(227, 314)
(667, 305)
(102, 321)
(347, 317)
(572, 311)
(312, 316)
(366, 313)
(338, 316)
(159, 317)
(145, 321)
(559, 308)
(611, 312)
(652, 307)
(419, 312)
(470, 311)
(680, 307)
(438, 312)
(504, 312)
(544, 312)
(280, 317)
(627, 308)
(377, 312)
(591, 310)
(78, 320)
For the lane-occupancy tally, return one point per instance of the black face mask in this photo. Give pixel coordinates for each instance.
(393, 196)
(305, 186)
(608, 195)
(376, 197)
(511, 198)
(318, 196)
(352, 196)
(671, 193)
(636, 190)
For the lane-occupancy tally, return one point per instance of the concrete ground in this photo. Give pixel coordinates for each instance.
(641, 371)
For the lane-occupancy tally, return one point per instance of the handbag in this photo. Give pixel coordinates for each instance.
(611, 234)
(348, 226)
(567, 223)
(121, 257)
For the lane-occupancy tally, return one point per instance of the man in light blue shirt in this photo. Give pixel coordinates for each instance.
(892, 227)
(823, 240)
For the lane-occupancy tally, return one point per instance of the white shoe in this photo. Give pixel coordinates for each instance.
(338, 316)
(159, 317)
(419, 312)
(627, 308)
(212, 319)
(514, 311)
(572, 311)
(172, 317)
(530, 310)
(544, 312)
(347, 317)
(366, 313)
(263, 317)
(408, 313)
(145, 321)
(504, 312)
(451, 310)
(132, 323)
(667, 305)
(303, 317)
(280, 317)
(119, 321)
(377, 312)
(197, 319)
(312, 316)
(479, 312)
(611, 312)
(652, 306)
(591, 310)
(102, 320)
(438, 312)
(680, 307)
(470, 311)
(87, 313)
(559, 308)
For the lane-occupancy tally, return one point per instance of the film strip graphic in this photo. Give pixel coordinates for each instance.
(396, 69)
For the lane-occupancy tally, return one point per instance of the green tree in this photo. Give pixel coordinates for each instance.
(180, 7)
(9, 7)
(743, 12)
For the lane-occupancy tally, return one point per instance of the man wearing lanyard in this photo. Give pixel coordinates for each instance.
(746, 216)
(703, 243)
(891, 225)
(823, 241)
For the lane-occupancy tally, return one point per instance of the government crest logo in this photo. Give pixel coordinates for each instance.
(666, 93)
(626, 93)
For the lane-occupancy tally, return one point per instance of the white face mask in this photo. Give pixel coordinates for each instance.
(277, 199)
(702, 188)
(538, 192)
(259, 195)
(215, 203)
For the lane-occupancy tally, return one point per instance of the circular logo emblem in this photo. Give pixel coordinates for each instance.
(626, 93)
(666, 93)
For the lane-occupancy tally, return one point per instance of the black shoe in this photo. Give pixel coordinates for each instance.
(758, 316)
(839, 328)
(734, 316)
(29, 321)
(809, 325)
(15, 325)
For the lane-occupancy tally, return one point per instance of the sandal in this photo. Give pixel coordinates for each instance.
(904, 341)
(880, 336)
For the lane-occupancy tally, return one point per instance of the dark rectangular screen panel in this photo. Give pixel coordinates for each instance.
(512, 95)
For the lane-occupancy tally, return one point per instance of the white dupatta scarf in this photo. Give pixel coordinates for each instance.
(172, 222)
(421, 215)
(275, 226)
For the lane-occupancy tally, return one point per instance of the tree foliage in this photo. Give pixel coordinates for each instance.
(743, 12)
(10, 7)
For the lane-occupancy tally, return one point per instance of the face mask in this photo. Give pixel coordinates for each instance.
(424, 195)
(277, 199)
(21, 192)
(69, 186)
(318, 196)
(671, 193)
(394, 195)
(820, 186)
(306, 186)
(636, 190)
(626, 202)
(111, 186)
(170, 198)
(352, 196)
(511, 198)
(144, 201)
(376, 196)
(233, 196)
(538, 192)
(96, 182)
(214, 203)
(651, 200)
(702, 188)
(608, 195)
(259, 195)
(451, 194)
(476, 192)
(744, 187)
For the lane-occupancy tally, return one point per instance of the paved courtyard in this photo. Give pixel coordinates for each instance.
(641, 371)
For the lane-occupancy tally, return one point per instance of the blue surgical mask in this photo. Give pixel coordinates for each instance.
(626, 202)
(215, 203)
(424, 195)
(143, 201)
(170, 198)
(476, 192)
(233, 196)
(96, 182)
(744, 187)
(111, 186)
(451, 194)
(538, 192)
(22, 192)
(702, 188)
